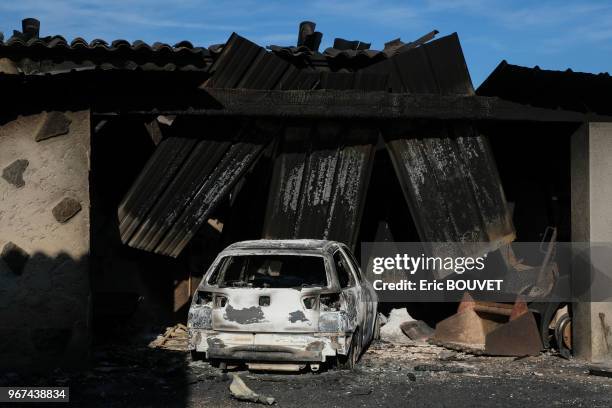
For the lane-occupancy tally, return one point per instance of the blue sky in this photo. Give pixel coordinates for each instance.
(551, 34)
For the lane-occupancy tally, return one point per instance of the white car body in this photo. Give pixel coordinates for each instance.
(261, 318)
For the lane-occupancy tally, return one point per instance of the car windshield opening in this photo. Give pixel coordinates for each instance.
(272, 271)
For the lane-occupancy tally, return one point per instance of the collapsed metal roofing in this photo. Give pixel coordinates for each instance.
(446, 171)
(330, 187)
(322, 168)
(319, 183)
(569, 90)
(34, 55)
(183, 182)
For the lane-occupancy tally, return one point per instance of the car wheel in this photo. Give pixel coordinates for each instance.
(349, 361)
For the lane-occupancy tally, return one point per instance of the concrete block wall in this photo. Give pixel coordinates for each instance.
(592, 223)
(44, 240)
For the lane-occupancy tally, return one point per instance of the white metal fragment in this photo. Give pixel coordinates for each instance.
(241, 392)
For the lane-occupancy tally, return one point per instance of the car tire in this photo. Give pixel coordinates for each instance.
(349, 361)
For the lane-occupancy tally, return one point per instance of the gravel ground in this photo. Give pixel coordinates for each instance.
(388, 374)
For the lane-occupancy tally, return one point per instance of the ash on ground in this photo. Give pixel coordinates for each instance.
(413, 374)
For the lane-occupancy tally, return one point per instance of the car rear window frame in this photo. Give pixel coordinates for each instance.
(216, 267)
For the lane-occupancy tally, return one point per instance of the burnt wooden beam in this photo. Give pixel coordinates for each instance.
(328, 104)
(165, 93)
(381, 105)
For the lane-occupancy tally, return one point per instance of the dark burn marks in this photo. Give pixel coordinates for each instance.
(214, 342)
(201, 317)
(248, 315)
(297, 316)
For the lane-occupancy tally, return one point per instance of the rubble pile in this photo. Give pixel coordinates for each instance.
(174, 338)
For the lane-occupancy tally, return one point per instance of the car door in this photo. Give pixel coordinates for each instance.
(350, 294)
(367, 296)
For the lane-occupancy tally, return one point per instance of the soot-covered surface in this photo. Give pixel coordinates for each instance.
(388, 375)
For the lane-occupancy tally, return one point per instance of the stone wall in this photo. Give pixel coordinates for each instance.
(44, 240)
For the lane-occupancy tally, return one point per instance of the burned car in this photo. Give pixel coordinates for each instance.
(297, 302)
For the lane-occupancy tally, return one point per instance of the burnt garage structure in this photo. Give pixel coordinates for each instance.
(126, 167)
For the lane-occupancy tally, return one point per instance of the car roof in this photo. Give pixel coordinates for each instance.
(293, 244)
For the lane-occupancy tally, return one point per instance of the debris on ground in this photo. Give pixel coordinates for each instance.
(174, 338)
(440, 368)
(417, 330)
(490, 328)
(241, 392)
(135, 375)
(392, 331)
(601, 370)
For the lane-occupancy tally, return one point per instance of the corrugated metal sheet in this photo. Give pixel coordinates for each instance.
(321, 173)
(183, 182)
(320, 182)
(452, 187)
(244, 64)
(435, 67)
(321, 170)
(187, 178)
(575, 91)
(447, 172)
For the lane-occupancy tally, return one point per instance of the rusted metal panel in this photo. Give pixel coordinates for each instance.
(491, 328)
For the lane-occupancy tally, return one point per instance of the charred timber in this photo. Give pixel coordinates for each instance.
(329, 104)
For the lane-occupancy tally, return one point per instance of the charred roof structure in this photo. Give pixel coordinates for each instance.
(322, 168)
(566, 90)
